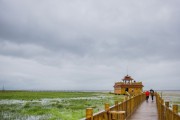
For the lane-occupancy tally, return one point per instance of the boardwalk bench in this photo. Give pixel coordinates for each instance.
(116, 115)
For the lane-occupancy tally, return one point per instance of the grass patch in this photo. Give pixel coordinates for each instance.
(35, 110)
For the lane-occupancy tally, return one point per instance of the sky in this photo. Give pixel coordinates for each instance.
(89, 44)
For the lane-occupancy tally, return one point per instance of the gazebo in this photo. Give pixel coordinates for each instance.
(129, 85)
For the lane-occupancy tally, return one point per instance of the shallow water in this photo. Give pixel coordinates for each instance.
(172, 96)
(47, 100)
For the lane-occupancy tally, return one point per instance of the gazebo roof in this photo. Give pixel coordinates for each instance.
(127, 77)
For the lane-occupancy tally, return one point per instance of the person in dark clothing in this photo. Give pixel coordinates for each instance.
(152, 94)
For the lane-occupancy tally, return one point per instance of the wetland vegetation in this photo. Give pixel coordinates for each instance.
(28, 105)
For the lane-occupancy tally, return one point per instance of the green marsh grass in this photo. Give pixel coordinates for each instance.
(52, 105)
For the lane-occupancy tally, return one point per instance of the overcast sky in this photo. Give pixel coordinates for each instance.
(89, 44)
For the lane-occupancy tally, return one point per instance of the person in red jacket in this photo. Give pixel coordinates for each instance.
(147, 95)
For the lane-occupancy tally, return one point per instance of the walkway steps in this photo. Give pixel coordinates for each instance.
(146, 111)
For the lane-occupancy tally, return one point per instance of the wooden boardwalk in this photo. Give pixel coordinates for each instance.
(146, 111)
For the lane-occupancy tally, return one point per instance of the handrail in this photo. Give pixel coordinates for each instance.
(164, 110)
(120, 111)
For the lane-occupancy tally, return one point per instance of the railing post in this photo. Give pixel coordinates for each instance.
(115, 116)
(106, 107)
(175, 110)
(167, 104)
(125, 98)
(125, 105)
(160, 113)
(166, 110)
(89, 113)
(133, 100)
(157, 102)
(130, 105)
(116, 104)
(162, 109)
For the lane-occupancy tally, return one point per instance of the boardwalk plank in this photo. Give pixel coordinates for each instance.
(146, 111)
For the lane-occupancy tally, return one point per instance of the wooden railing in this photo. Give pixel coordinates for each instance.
(164, 110)
(120, 111)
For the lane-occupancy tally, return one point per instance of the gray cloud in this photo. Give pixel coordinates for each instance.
(82, 44)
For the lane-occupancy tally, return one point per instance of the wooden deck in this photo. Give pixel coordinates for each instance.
(146, 111)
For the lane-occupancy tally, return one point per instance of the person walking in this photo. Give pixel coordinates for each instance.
(147, 95)
(152, 93)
